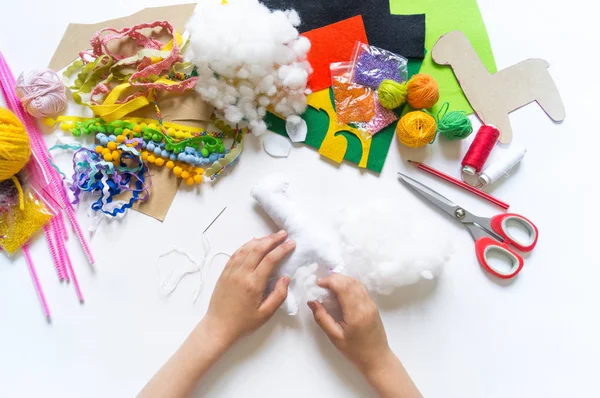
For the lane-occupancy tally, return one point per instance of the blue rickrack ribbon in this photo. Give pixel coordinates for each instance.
(94, 174)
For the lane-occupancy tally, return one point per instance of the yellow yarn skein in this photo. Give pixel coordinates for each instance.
(416, 129)
(14, 145)
(14, 148)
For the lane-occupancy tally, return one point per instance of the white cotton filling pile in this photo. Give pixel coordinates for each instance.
(387, 246)
(249, 59)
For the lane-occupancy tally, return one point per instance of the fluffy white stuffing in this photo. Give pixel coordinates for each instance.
(381, 243)
(387, 246)
(316, 242)
(248, 58)
(305, 283)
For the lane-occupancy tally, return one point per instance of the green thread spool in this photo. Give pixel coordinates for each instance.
(391, 94)
(453, 125)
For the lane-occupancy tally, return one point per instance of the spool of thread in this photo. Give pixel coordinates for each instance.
(453, 125)
(15, 149)
(42, 93)
(501, 168)
(421, 92)
(416, 129)
(480, 149)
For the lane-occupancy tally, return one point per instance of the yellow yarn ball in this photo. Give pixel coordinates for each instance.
(416, 129)
(14, 145)
(423, 91)
(391, 94)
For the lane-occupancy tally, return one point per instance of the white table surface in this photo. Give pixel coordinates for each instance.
(466, 336)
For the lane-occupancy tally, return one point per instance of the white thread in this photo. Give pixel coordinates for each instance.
(198, 268)
(197, 294)
(501, 168)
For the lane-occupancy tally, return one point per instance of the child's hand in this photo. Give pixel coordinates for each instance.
(360, 336)
(238, 305)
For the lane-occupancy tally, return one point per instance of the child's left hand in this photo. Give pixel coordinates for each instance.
(238, 306)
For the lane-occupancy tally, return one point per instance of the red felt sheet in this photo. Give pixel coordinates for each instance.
(332, 43)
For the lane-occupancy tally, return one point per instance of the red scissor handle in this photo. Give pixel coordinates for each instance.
(485, 246)
(499, 225)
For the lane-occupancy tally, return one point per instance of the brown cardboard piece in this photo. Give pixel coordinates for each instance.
(494, 96)
(187, 108)
(162, 193)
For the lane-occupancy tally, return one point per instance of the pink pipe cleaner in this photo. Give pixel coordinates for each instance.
(72, 275)
(60, 221)
(57, 234)
(38, 146)
(53, 191)
(53, 252)
(36, 282)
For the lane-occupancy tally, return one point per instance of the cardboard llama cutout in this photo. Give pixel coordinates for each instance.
(494, 96)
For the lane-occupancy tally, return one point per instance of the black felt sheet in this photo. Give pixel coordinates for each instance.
(401, 34)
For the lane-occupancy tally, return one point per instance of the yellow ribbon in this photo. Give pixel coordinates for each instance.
(110, 111)
(169, 45)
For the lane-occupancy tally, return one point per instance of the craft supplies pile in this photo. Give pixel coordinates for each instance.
(167, 95)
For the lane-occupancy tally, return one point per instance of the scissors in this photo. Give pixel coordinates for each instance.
(490, 234)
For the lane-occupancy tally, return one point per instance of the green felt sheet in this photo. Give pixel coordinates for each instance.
(443, 16)
(317, 123)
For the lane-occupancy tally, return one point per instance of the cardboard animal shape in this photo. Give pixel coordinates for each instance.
(494, 96)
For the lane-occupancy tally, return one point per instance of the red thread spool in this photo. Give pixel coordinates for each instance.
(480, 149)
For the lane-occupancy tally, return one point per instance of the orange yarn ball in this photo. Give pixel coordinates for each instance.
(422, 91)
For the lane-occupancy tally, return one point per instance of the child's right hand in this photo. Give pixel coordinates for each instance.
(360, 336)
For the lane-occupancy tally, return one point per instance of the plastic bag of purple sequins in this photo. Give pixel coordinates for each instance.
(372, 65)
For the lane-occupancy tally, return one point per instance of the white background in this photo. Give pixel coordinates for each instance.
(466, 336)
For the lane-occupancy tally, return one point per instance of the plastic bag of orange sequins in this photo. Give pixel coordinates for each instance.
(354, 103)
(24, 219)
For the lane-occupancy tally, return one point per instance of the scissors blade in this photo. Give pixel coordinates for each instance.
(440, 201)
(478, 226)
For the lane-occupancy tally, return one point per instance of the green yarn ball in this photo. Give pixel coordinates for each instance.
(455, 126)
(391, 94)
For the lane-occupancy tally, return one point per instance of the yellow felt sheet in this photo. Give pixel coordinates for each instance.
(334, 146)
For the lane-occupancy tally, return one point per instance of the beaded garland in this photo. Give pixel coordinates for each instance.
(185, 148)
(196, 149)
(154, 150)
(190, 174)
